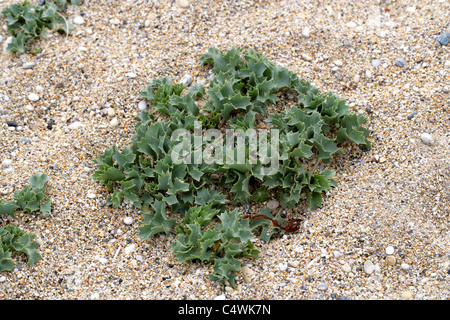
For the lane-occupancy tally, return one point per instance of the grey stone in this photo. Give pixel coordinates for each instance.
(444, 38)
(322, 287)
(400, 62)
(376, 63)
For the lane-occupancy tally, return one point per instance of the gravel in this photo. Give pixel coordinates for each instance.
(395, 195)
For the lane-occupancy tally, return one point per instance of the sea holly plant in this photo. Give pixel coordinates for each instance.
(15, 240)
(31, 199)
(187, 165)
(27, 22)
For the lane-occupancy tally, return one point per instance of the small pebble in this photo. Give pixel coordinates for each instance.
(76, 125)
(410, 116)
(322, 287)
(6, 163)
(95, 295)
(128, 220)
(426, 138)
(12, 124)
(400, 62)
(346, 267)
(406, 295)
(111, 112)
(115, 21)
(131, 75)
(142, 105)
(33, 97)
(114, 122)
(404, 266)
(390, 260)
(306, 57)
(305, 32)
(78, 20)
(129, 249)
(369, 268)
(91, 195)
(184, 4)
(444, 38)
(273, 204)
(29, 65)
(338, 63)
(351, 24)
(103, 260)
(376, 63)
(186, 80)
(390, 250)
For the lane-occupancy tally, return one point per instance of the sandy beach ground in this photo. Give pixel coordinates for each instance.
(382, 233)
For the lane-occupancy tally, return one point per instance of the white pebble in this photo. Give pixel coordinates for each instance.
(369, 268)
(114, 122)
(2, 279)
(8, 170)
(29, 65)
(273, 204)
(186, 80)
(426, 138)
(6, 163)
(305, 32)
(129, 249)
(346, 268)
(376, 63)
(95, 295)
(40, 88)
(184, 4)
(220, 297)
(306, 57)
(110, 112)
(115, 21)
(142, 105)
(351, 24)
(103, 260)
(338, 63)
(131, 75)
(390, 250)
(76, 125)
(404, 266)
(78, 20)
(128, 220)
(282, 266)
(33, 97)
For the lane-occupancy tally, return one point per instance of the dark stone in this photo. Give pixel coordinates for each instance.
(50, 124)
(12, 124)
